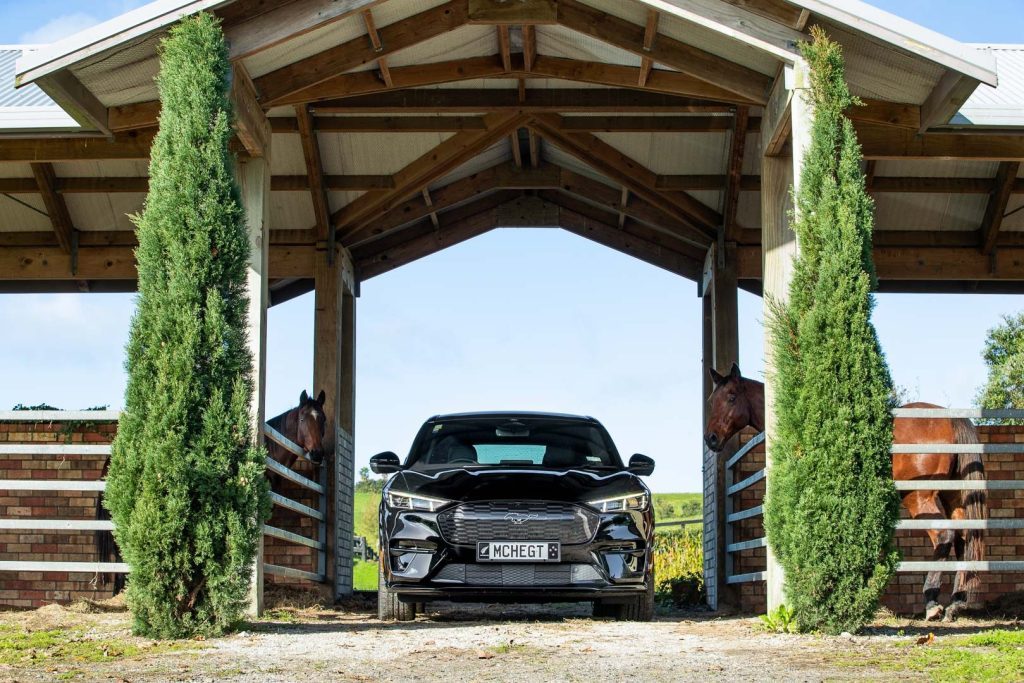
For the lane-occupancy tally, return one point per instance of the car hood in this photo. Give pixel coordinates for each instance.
(574, 486)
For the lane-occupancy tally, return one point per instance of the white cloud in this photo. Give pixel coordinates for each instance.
(59, 28)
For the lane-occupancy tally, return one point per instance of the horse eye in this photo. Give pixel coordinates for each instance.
(732, 399)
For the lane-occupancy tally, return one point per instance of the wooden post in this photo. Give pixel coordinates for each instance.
(253, 176)
(711, 543)
(779, 248)
(334, 362)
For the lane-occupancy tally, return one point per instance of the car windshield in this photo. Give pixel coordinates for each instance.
(550, 443)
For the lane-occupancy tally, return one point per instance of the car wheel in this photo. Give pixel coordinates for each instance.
(389, 607)
(640, 608)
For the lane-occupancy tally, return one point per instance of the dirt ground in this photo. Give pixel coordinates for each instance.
(463, 643)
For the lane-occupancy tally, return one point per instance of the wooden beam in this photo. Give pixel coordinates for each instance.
(499, 177)
(775, 121)
(731, 201)
(122, 146)
(504, 46)
(517, 152)
(79, 102)
(251, 124)
(535, 152)
(778, 11)
(378, 46)
(538, 100)
(946, 98)
(529, 46)
(434, 164)
(650, 31)
(623, 170)
(881, 142)
(519, 12)
(56, 209)
(1002, 186)
(300, 183)
(314, 172)
(311, 71)
(249, 31)
(590, 190)
(748, 84)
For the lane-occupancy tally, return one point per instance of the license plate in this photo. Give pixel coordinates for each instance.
(518, 551)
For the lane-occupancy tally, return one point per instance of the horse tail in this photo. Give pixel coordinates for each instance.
(106, 547)
(969, 467)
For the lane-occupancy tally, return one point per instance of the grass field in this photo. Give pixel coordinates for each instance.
(667, 507)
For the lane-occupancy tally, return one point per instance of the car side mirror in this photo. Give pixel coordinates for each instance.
(641, 465)
(385, 463)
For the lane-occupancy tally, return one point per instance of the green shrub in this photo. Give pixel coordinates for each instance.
(831, 506)
(781, 620)
(679, 567)
(186, 488)
(1004, 356)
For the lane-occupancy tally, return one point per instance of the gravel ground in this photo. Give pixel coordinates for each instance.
(455, 643)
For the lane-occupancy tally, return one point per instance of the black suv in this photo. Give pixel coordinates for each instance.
(515, 507)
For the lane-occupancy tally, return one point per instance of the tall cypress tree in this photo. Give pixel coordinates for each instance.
(186, 488)
(832, 507)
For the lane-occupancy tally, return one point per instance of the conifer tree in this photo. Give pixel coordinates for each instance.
(831, 509)
(186, 488)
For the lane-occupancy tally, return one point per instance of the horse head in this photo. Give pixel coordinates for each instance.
(734, 403)
(311, 421)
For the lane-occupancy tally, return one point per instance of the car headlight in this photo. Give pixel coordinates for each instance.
(636, 501)
(399, 500)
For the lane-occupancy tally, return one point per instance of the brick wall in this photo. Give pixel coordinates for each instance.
(904, 595)
(32, 589)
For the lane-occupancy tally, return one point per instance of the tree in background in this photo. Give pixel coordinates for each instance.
(1004, 356)
(186, 488)
(831, 507)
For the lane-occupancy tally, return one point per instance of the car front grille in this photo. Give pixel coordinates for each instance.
(518, 574)
(515, 521)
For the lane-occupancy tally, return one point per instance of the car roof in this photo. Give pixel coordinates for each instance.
(511, 414)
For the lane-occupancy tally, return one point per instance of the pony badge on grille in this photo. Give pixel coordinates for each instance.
(520, 518)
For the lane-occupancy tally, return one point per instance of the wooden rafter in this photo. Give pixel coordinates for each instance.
(529, 47)
(382, 63)
(650, 31)
(122, 146)
(314, 172)
(56, 208)
(439, 161)
(1002, 187)
(534, 148)
(504, 46)
(737, 145)
(517, 152)
(625, 171)
(499, 177)
(311, 71)
(748, 84)
(251, 124)
(623, 203)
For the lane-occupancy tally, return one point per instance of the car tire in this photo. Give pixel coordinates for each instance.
(640, 608)
(389, 607)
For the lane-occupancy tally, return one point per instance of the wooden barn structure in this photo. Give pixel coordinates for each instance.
(371, 133)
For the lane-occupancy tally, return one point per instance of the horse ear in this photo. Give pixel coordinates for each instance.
(321, 397)
(715, 377)
(734, 373)
(303, 397)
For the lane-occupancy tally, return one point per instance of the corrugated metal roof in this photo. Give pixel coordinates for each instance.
(1001, 106)
(29, 96)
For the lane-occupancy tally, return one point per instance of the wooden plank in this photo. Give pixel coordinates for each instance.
(945, 100)
(1002, 186)
(965, 566)
(289, 504)
(293, 476)
(960, 485)
(314, 171)
(55, 525)
(300, 183)
(432, 165)
(292, 573)
(746, 483)
(51, 485)
(529, 47)
(775, 121)
(83, 567)
(650, 31)
(742, 452)
(980, 448)
(748, 84)
(133, 116)
(958, 524)
(504, 46)
(746, 545)
(250, 123)
(756, 511)
(746, 578)
(778, 11)
(122, 146)
(284, 442)
(59, 415)
(248, 36)
(311, 71)
(274, 532)
(882, 142)
(56, 208)
(617, 166)
(537, 100)
(44, 450)
(519, 12)
(973, 413)
(730, 203)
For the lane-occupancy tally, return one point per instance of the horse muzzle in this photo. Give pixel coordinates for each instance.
(316, 457)
(713, 442)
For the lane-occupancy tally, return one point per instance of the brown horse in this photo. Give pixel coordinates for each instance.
(106, 547)
(304, 425)
(737, 402)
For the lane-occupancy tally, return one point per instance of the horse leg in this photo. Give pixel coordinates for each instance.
(927, 505)
(958, 601)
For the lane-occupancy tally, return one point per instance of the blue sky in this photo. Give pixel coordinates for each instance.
(523, 319)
